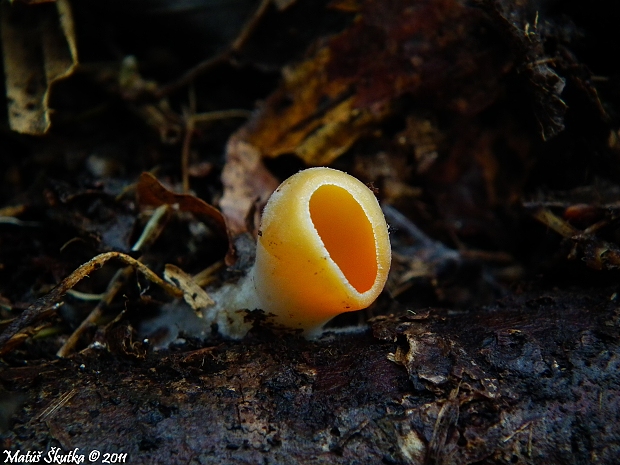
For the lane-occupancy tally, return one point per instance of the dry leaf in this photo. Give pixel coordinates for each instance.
(195, 296)
(151, 192)
(247, 184)
(39, 48)
(432, 51)
(312, 115)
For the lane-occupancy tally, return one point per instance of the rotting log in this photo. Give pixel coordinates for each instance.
(531, 379)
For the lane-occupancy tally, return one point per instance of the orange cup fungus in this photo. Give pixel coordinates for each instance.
(323, 249)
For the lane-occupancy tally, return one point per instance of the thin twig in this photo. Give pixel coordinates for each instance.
(49, 301)
(250, 26)
(190, 124)
(207, 275)
(555, 223)
(151, 232)
(221, 114)
(193, 73)
(187, 143)
(153, 228)
(85, 295)
(220, 58)
(116, 284)
(56, 404)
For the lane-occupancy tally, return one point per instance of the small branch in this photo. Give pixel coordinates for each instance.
(555, 223)
(151, 232)
(190, 124)
(49, 301)
(222, 57)
(115, 285)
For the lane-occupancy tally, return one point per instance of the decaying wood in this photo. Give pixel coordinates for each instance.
(533, 379)
(472, 119)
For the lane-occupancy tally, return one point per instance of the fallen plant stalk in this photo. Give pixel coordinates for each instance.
(49, 302)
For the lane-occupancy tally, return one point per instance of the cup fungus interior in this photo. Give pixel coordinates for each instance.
(347, 234)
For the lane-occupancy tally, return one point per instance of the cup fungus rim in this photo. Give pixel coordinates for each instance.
(356, 189)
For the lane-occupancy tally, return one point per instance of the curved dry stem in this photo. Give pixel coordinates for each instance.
(48, 302)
